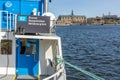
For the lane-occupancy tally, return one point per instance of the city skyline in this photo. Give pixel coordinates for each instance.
(89, 8)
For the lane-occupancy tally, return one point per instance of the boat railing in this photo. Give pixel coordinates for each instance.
(8, 21)
(57, 75)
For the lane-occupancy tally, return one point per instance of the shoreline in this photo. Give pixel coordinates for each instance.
(90, 25)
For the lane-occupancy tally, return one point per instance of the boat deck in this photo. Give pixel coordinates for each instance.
(27, 77)
(6, 77)
(21, 77)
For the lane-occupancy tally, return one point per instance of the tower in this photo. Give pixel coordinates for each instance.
(72, 13)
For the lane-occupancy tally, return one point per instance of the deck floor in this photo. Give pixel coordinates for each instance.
(6, 77)
(27, 77)
(21, 77)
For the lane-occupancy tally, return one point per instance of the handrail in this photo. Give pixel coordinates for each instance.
(7, 21)
(15, 23)
(55, 74)
(11, 20)
(0, 21)
(3, 11)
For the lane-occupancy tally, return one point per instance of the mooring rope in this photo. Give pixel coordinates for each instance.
(60, 61)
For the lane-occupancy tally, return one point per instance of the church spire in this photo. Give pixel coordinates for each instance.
(72, 13)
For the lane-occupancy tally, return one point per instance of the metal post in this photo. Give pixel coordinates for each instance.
(13, 20)
(46, 5)
(7, 20)
(0, 21)
(10, 21)
(15, 23)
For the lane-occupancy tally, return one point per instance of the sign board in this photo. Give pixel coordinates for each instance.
(34, 24)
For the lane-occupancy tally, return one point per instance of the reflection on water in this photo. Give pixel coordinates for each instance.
(93, 48)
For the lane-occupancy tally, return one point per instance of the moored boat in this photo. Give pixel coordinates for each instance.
(29, 48)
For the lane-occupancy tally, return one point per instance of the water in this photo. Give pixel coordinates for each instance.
(93, 48)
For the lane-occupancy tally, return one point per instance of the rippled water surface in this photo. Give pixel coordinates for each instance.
(93, 48)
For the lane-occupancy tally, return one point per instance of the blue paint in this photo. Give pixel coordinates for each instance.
(25, 64)
(23, 7)
(28, 44)
(22, 18)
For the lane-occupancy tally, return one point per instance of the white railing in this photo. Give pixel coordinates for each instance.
(15, 23)
(60, 73)
(0, 21)
(1, 12)
(10, 22)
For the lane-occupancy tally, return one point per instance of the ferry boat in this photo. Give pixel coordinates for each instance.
(29, 48)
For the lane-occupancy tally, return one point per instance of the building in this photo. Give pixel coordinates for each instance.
(71, 19)
(111, 19)
(96, 20)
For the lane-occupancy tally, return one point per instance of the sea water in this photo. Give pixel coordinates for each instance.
(93, 48)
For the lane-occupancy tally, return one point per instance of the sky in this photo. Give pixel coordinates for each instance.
(88, 8)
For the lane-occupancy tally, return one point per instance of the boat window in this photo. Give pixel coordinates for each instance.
(6, 47)
(28, 46)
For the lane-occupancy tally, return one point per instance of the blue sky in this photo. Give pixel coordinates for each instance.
(89, 8)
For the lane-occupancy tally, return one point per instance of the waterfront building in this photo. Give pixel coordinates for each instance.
(97, 20)
(111, 19)
(71, 19)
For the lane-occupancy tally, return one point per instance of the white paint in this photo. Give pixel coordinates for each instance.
(0, 21)
(46, 53)
(7, 21)
(56, 74)
(6, 35)
(38, 37)
(59, 47)
(10, 71)
(15, 23)
(52, 19)
(50, 46)
(38, 13)
(39, 57)
(34, 11)
(42, 58)
(2, 34)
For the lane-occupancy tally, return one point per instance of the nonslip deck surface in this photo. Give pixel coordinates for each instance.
(27, 77)
(6, 77)
(21, 77)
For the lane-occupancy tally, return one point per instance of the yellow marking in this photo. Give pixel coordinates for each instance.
(14, 77)
(38, 77)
